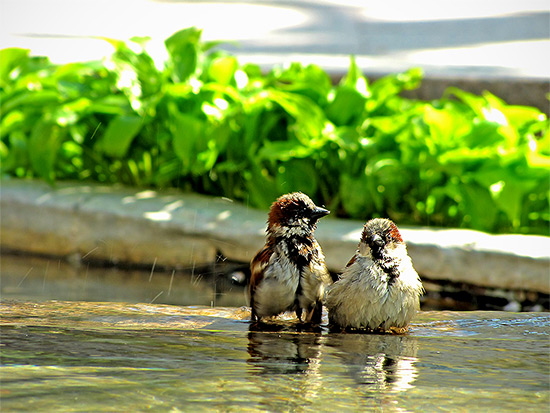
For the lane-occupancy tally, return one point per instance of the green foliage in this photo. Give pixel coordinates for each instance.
(205, 123)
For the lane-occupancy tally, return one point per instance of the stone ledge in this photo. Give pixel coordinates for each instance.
(173, 229)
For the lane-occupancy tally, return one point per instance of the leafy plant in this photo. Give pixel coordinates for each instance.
(205, 123)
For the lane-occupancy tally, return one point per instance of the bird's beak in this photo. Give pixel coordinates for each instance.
(319, 212)
(377, 241)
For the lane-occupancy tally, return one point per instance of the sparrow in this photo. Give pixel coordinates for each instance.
(289, 273)
(379, 289)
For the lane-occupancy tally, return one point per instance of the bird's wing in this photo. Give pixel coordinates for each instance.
(257, 266)
(351, 261)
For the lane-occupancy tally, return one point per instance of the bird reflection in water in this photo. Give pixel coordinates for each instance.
(380, 365)
(276, 349)
(379, 362)
(291, 358)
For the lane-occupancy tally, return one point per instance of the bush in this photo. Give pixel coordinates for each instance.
(205, 123)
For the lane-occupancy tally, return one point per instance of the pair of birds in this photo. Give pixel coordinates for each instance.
(378, 290)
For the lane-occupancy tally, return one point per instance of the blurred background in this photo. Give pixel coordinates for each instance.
(467, 39)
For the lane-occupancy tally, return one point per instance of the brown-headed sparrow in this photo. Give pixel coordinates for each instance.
(379, 289)
(289, 273)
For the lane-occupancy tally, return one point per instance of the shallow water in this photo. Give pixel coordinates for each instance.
(134, 355)
(78, 356)
(36, 278)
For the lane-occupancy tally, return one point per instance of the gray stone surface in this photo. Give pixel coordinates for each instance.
(174, 229)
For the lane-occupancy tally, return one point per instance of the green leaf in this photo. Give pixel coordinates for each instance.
(222, 69)
(71, 112)
(476, 103)
(17, 153)
(477, 206)
(355, 196)
(10, 59)
(310, 81)
(206, 159)
(187, 131)
(111, 105)
(510, 198)
(214, 141)
(13, 120)
(253, 71)
(388, 125)
(442, 123)
(519, 116)
(283, 151)
(462, 156)
(183, 48)
(388, 88)
(347, 107)
(44, 145)
(483, 134)
(136, 75)
(355, 80)
(507, 189)
(119, 135)
(310, 120)
(297, 175)
(261, 188)
(37, 99)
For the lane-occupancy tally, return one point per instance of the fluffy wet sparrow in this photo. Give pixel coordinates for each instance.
(379, 289)
(289, 273)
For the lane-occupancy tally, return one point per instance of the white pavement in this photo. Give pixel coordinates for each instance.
(488, 39)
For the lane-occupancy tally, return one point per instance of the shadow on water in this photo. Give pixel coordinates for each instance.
(36, 278)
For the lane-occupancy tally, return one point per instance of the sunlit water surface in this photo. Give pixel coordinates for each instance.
(131, 356)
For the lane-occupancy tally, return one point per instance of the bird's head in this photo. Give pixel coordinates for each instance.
(379, 237)
(294, 214)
